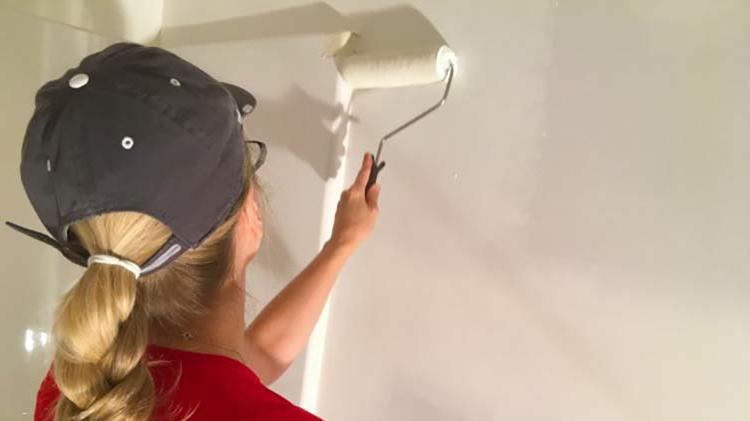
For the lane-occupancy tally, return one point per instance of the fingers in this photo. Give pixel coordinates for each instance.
(364, 173)
(372, 196)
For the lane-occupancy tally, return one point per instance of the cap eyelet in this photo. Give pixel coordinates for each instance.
(175, 82)
(247, 108)
(49, 166)
(78, 80)
(127, 142)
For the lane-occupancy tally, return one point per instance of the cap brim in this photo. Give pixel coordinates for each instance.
(245, 100)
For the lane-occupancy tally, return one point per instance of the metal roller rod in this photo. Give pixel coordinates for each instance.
(377, 164)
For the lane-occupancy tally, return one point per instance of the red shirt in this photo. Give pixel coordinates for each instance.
(217, 387)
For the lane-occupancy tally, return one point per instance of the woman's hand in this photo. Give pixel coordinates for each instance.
(357, 210)
(279, 333)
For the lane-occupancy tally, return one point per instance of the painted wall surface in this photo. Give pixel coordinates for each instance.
(568, 238)
(565, 240)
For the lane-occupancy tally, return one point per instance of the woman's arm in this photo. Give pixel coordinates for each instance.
(279, 333)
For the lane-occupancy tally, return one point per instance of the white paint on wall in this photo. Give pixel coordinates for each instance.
(590, 261)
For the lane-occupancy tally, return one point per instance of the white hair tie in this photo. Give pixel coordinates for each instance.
(106, 259)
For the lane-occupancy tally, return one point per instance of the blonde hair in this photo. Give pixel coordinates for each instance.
(102, 323)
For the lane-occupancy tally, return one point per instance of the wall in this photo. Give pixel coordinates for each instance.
(564, 240)
(567, 239)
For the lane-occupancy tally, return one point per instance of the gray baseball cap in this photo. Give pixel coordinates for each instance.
(135, 128)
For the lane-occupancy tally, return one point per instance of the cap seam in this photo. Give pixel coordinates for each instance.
(134, 93)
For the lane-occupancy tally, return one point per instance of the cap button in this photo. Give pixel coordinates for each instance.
(127, 142)
(79, 80)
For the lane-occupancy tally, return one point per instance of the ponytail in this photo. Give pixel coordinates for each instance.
(102, 323)
(101, 328)
(102, 334)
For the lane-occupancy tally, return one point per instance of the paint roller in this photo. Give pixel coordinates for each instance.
(362, 70)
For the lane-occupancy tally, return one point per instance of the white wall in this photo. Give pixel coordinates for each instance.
(565, 240)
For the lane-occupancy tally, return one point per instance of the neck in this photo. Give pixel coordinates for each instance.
(217, 331)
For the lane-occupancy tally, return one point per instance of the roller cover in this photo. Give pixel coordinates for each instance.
(366, 71)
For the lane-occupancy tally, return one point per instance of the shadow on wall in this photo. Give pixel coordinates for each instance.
(314, 132)
(309, 128)
(402, 27)
(302, 136)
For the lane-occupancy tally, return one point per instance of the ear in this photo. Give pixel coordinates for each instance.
(250, 214)
(247, 206)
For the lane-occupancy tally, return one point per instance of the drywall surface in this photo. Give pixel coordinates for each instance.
(34, 276)
(567, 238)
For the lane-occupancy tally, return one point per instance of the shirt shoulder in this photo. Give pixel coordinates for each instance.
(214, 387)
(204, 386)
(46, 397)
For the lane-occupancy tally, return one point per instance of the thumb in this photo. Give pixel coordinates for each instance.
(372, 196)
(364, 173)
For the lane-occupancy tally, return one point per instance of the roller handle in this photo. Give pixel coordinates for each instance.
(374, 171)
(378, 166)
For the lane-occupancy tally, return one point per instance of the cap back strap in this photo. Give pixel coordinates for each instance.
(168, 252)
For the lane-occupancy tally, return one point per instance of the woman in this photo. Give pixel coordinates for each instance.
(136, 164)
